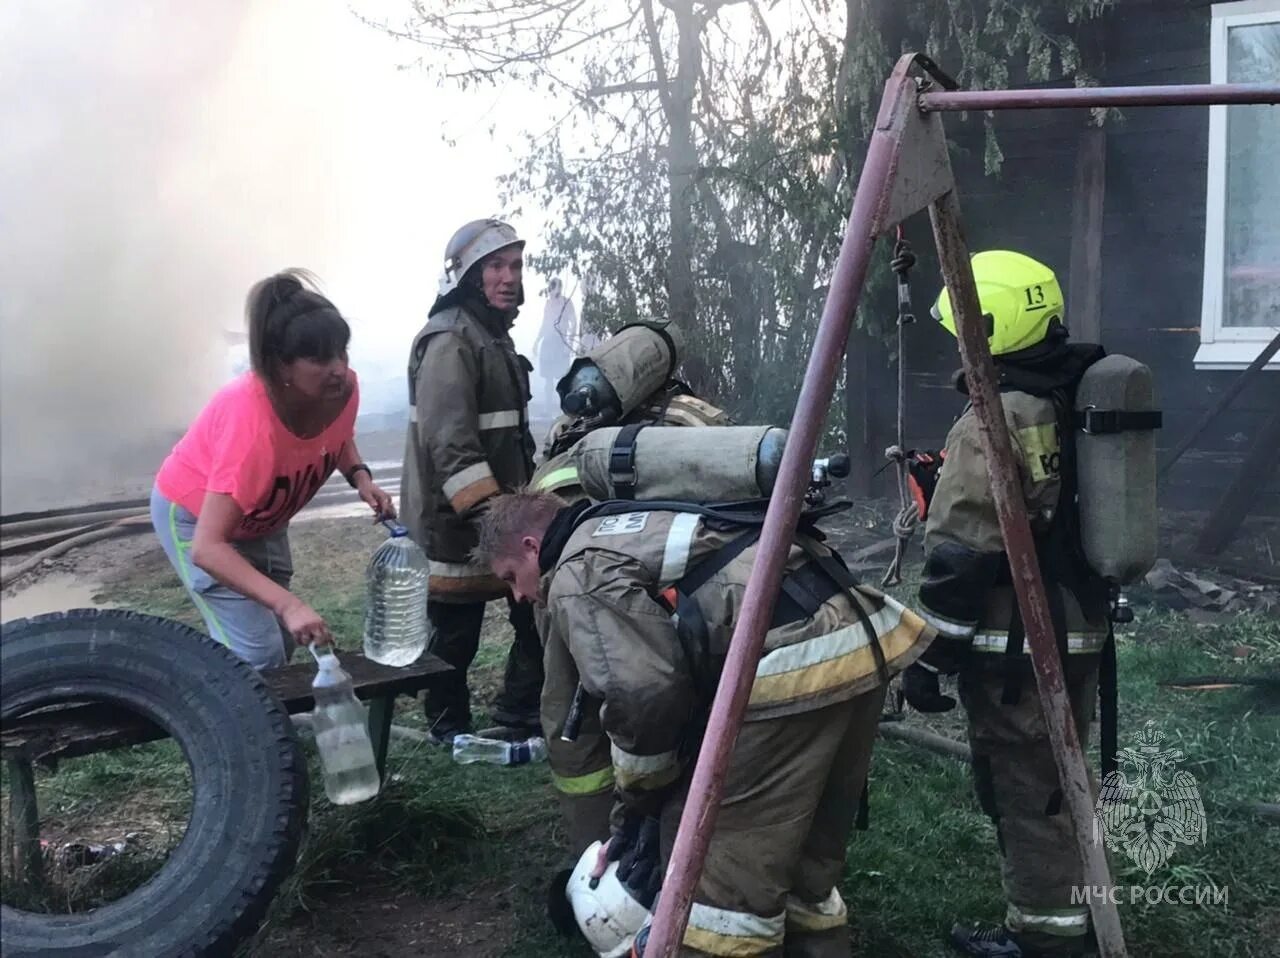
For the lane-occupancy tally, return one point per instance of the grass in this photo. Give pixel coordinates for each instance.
(141, 795)
(450, 833)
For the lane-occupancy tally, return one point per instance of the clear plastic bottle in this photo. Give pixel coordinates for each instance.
(471, 748)
(342, 735)
(395, 616)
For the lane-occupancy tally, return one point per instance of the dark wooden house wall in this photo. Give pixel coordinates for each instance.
(1152, 246)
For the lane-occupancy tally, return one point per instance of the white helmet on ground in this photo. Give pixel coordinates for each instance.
(607, 914)
(472, 243)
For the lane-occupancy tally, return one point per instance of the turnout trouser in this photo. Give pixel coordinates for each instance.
(455, 637)
(778, 849)
(1018, 787)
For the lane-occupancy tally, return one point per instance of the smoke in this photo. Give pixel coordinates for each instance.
(158, 158)
(107, 318)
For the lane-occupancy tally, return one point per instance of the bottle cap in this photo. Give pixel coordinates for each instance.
(326, 665)
(397, 531)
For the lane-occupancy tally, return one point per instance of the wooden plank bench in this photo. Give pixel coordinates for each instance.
(76, 729)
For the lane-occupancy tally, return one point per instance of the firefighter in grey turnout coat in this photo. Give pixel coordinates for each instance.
(468, 440)
(611, 578)
(581, 769)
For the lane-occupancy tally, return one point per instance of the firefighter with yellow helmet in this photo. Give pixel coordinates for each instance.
(967, 595)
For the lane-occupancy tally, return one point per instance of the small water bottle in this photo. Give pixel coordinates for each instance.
(471, 748)
(395, 615)
(342, 735)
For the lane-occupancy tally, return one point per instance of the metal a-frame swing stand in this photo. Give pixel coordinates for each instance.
(906, 170)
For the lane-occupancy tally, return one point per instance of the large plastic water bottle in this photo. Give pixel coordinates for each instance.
(471, 748)
(342, 735)
(395, 615)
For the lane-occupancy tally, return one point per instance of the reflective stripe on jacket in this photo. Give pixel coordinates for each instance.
(468, 439)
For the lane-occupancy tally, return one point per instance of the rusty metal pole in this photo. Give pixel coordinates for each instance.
(698, 819)
(980, 373)
(1189, 94)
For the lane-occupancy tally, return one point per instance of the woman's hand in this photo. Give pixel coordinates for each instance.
(375, 498)
(305, 624)
(602, 860)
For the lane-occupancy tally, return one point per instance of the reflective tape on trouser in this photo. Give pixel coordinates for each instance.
(1081, 643)
(588, 784)
(718, 931)
(820, 916)
(1063, 922)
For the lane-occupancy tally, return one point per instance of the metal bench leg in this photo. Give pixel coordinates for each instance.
(381, 711)
(24, 823)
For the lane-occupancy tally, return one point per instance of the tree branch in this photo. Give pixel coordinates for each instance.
(634, 86)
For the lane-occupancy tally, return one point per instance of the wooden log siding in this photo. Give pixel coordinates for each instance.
(1152, 242)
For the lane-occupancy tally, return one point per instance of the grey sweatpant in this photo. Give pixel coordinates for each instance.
(247, 627)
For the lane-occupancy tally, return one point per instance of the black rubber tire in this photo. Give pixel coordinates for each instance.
(248, 776)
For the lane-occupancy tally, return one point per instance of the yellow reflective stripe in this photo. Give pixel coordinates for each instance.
(185, 566)
(588, 784)
(1041, 450)
(821, 916)
(853, 660)
(718, 931)
(557, 477)
(823, 648)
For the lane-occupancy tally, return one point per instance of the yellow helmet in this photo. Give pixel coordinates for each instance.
(1020, 297)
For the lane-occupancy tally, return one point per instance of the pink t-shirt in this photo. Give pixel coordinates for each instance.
(239, 446)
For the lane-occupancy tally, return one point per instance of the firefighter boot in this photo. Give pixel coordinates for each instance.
(997, 941)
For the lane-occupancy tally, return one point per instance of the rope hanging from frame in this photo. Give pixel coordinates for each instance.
(908, 517)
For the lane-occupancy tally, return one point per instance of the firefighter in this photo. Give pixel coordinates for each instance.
(581, 770)
(643, 601)
(967, 595)
(468, 440)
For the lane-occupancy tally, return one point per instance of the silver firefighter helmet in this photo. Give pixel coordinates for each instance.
(472, 243)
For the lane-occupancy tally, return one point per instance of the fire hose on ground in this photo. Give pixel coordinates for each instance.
(134, 523)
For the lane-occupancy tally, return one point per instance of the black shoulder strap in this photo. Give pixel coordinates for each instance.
(622, 461)
(1100, 422)
(745, 512)
(691, 627)
(833, 565)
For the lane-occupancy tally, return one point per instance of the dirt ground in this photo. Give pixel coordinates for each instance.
(388, 922)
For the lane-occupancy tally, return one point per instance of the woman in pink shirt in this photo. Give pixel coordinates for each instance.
(256, 454)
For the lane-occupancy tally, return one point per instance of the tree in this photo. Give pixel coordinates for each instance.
(705, 154)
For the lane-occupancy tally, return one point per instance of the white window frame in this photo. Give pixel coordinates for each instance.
(1226, 347)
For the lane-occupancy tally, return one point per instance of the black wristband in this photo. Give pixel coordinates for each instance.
(358, 467)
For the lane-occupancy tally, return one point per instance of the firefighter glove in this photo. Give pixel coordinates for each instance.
(639, 865)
